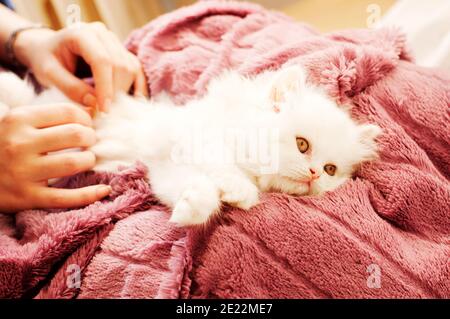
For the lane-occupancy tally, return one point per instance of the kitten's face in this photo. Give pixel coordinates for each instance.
(320, 145)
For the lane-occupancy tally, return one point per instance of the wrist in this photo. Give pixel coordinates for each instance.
(26, 42)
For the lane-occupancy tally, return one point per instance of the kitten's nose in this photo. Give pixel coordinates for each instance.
(314, 174)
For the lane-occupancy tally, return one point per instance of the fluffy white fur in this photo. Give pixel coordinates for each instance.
(13, 92)
(200, 155)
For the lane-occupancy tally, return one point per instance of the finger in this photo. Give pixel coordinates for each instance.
(63, 137)
(140, 83)
(48, 115)
(123, 66)
(62, 165)
(127, 68)
(92, 111)
(103, 77)
(73, 87)
(86, 45)
(70, 198)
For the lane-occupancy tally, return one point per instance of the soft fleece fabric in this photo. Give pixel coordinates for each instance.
(394, 214)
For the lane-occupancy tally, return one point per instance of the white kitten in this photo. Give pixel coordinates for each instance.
(272, 132)
(13, 92)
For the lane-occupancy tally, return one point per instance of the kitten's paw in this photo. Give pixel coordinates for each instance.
(111, 154)
(238, 191)
(196, 205)
(184, 214)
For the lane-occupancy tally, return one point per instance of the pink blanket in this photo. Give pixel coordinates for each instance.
(384, 234)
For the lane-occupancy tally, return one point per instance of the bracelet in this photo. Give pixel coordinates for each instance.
(9, 45)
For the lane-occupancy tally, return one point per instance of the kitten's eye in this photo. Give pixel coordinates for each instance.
(302, 144)
(330, 169)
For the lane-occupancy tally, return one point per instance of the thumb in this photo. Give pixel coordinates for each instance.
(73, 87)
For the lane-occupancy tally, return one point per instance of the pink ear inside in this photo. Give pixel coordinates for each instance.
(287, 80)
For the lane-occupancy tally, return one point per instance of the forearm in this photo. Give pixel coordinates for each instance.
(9, 22)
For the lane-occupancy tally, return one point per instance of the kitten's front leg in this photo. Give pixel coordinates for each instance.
(236, 189)
(197, 203)
(193, 196)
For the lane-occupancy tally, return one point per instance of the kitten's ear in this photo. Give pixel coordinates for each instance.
(287, 80)
(367, 135)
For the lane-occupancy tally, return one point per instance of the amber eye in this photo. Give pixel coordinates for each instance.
(302, 144)
(330, 169)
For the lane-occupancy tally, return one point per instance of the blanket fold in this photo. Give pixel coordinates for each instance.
(384, 234)
(32, 243)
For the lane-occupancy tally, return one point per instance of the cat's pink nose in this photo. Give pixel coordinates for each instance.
(314, 174)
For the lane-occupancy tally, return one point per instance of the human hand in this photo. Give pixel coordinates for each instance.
(52, 56)
(28, 134)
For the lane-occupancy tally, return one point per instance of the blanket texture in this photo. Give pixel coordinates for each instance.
(385, 234)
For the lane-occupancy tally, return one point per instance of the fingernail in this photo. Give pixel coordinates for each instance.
(92, 111)
(90, 100)
(103, 191)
